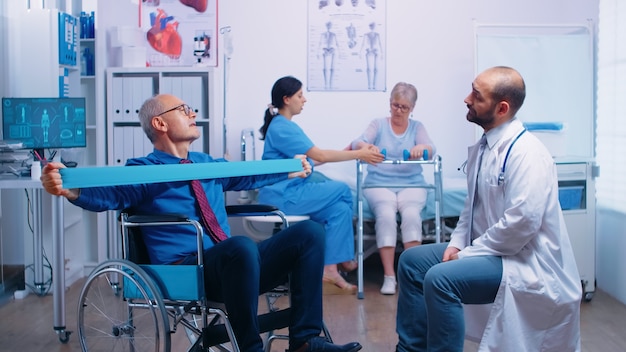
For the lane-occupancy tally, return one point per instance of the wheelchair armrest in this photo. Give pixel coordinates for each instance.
(249, 209)
(157, 218)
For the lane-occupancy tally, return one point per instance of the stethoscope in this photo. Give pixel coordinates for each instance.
(506, 158)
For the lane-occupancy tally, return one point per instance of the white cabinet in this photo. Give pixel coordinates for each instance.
(578, 201)
(128, 88)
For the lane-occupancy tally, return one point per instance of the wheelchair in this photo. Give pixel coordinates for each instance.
(130, 305)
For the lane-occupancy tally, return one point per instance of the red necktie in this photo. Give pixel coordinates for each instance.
(208, 216)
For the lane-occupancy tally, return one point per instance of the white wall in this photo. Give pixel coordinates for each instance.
(429, 44)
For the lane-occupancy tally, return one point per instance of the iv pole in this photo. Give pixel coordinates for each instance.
(228, 50)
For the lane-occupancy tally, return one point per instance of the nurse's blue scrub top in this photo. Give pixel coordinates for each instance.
(284, 141)
(327, 202)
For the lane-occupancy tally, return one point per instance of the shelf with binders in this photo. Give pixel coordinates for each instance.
(128, 88)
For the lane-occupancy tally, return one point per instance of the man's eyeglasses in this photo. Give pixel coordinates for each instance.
(182, 107)
(400, 107)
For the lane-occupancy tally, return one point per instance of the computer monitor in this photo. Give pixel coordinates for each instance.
(45, 123)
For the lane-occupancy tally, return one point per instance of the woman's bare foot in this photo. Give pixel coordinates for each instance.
(336, 284)
(350, 265)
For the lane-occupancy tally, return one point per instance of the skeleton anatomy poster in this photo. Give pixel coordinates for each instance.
(180, 32)
(346, 45)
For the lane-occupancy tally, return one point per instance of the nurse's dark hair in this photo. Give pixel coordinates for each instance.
(510, 87)
(284, 87)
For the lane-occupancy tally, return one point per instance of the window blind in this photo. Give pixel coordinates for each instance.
(611, 106)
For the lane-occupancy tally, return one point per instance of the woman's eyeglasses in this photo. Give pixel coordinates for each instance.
(400, 107)
(182, 107)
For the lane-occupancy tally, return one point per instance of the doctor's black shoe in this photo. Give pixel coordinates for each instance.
(320, 344)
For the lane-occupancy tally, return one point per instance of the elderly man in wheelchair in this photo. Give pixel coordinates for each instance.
(235, 269)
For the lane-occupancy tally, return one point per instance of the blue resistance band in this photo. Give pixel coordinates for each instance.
(84, 177)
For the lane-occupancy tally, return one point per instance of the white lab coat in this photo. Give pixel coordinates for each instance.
(537, 307)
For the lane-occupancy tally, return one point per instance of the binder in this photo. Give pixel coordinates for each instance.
(138, 141)
(192, 93)
(118, 146)
(142, 90)
(129, 144)
(117, 99)
(127, 99)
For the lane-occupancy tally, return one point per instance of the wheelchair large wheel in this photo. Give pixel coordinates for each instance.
(120, 309)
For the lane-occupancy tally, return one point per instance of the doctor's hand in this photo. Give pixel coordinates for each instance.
(306, 168)
(53, 184)
(451, 253)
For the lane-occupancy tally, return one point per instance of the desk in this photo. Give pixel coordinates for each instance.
(58, 247)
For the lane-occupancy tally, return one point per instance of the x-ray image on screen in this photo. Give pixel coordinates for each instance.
(45, 122)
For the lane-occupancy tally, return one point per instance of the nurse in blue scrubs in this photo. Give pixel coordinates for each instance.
(325, 201)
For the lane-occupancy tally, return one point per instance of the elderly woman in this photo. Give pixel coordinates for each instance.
(396, 134)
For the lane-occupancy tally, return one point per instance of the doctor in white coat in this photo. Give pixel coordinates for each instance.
(509, 265)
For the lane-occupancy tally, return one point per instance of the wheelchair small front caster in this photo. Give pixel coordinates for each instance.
(64, 336)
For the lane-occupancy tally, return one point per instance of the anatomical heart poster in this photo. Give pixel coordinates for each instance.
(180, 32)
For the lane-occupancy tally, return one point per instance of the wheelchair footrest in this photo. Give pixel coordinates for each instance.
(216, 334)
